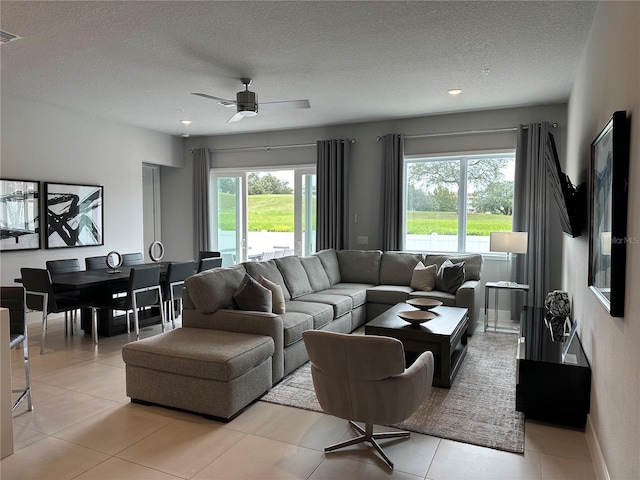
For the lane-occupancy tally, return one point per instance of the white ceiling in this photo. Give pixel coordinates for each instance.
(137, 62)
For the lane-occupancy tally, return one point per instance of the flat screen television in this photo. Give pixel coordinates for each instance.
(571, 200)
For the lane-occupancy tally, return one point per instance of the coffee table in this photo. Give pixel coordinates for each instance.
(445, 336)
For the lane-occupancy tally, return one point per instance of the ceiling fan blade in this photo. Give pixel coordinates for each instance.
(224, 102)
(236, 118)
(285, 105)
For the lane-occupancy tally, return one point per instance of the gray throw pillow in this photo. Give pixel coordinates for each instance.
(450, 276)
(252, 296)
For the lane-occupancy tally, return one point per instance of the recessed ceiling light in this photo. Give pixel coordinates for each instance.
(185, 134)
(454, 91)
(185, 122)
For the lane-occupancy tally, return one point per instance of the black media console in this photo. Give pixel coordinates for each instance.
(548, 387)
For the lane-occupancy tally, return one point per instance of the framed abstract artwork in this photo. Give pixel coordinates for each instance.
(74, 215)
(609, 185)
(19, 215)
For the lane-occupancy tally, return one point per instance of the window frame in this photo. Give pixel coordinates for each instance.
(299, 171)
(462, 206)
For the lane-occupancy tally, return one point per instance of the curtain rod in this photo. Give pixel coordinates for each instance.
(265, 147)
(466, 132)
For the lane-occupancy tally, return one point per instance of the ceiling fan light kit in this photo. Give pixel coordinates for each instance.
(246, 103)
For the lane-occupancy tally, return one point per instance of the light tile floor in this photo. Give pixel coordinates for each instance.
(84, 427)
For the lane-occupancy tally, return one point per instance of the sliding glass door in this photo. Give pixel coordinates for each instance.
(263, 214)
(227, 221)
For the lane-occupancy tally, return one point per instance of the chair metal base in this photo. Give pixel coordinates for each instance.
(367, 435)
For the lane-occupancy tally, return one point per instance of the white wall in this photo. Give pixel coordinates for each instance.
(608, 80)
(42, 142)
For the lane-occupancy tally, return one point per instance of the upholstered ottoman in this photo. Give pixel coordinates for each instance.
(211, 372)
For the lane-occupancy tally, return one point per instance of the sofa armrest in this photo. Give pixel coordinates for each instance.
(242, 321)
(468, 296)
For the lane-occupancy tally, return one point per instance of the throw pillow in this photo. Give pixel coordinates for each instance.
(450, 276)
(250, 295)
(277, 297)
(423, 278)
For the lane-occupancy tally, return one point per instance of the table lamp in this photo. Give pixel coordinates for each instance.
(510, 243)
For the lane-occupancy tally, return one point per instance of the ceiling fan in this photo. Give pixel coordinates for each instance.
(246, 103)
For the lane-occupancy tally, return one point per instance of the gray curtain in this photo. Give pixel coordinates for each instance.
(201, 167)
(530, 207)
(392, 188)
(332, 220)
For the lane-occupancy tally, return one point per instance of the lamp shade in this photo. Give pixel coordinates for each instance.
(510, 242)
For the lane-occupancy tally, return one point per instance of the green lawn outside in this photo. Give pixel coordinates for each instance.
(444, 223)
(274, 213)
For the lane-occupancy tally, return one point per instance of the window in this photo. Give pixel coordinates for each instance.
(262, 214)
(452, 203)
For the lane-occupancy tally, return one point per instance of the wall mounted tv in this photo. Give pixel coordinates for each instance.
(571, 200)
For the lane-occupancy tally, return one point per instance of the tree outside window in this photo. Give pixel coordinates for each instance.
(453, 203)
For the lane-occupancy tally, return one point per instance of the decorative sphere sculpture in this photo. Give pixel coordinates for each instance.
(557, 303)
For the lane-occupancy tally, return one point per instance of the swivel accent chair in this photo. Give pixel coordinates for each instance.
(362, 378)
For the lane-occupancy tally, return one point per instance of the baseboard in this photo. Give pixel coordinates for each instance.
(597, 458)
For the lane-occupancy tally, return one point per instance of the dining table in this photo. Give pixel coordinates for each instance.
(97, 286)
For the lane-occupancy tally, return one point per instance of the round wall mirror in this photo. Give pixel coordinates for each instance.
(156, 251)
(114, 260)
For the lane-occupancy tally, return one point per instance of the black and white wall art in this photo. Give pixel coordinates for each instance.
(19, 215)
(74, 215)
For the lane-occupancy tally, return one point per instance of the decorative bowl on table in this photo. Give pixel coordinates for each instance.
(424, 303)
(416, 317)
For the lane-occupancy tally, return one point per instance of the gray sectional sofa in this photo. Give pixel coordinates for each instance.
(331, 290)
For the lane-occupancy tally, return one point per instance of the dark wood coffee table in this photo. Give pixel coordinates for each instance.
(445, 336)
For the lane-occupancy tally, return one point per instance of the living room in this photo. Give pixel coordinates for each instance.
(52, 142)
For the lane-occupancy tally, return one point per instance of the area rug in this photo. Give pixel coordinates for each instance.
(479, 408)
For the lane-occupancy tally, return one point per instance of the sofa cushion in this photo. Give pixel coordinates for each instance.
(359, 266)
(318, 278)
(396, 268)
(472, 263)
(450, 276)
(277, 297)
(322, 313)
(269, 270)
(204, 353)
(213, 289)
(252, 296)
(294, 274)
(389, 294)
(341, 303)
(424, 278)
(294, 324)
(330, 263)
(357, 292)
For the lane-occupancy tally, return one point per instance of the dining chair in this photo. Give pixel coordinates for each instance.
(41, 297)
(96, 263)
(130, 259)
(208, 254)
(13, 299)
(65, 266)
(177, 273)
(209, 263)
(143, 290)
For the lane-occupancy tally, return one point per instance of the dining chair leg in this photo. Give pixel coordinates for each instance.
(44, 329)
(134, 307)
(94, 325)
(162, 316)
(172, 307)
(27, 373)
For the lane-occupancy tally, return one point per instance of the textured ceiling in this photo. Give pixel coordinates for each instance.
(137, 62)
